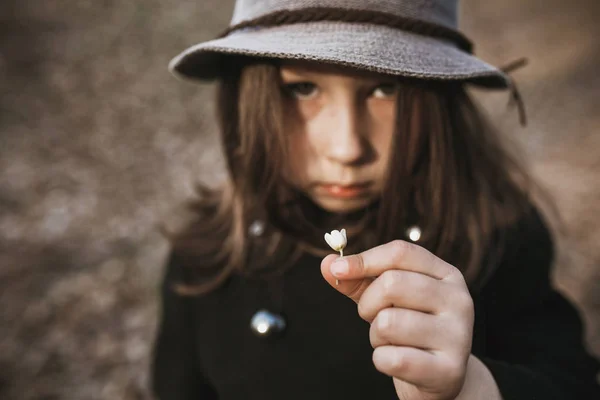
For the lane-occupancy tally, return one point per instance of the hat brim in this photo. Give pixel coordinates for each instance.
(364, 46)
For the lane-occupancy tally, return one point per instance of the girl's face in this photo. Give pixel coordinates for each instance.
(340, 125)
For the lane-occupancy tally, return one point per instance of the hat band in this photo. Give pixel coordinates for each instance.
(317, 14)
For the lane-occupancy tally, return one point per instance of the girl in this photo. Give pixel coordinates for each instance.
(353, 114)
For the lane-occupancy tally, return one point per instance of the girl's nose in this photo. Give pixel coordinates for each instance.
(346, 140)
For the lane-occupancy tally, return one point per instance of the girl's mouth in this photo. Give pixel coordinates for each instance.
(346, 191)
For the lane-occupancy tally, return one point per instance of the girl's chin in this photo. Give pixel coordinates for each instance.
(342, 205)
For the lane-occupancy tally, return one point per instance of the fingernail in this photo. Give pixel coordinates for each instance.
(339, 268)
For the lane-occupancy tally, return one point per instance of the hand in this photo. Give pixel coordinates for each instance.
(420, 311)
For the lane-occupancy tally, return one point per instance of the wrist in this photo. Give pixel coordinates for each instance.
(479, 382)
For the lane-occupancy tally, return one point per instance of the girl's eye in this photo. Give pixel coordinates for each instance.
(301, 90)
(385, 91)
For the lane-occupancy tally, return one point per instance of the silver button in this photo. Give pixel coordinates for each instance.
(265, 323)
(414, 233)
(257, 228)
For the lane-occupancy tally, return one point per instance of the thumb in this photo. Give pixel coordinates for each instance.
(352, 288)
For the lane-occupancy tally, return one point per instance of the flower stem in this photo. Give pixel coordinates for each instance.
(337, 282)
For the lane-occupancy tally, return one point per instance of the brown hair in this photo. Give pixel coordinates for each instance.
(449, 174)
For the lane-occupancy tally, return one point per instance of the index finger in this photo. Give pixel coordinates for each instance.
(397, 254)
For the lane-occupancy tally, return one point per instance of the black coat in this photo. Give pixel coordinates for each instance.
(525, 332)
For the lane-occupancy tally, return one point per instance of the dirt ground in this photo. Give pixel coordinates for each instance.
(99, 146)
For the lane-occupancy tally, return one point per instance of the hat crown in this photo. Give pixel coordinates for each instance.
(440, 12)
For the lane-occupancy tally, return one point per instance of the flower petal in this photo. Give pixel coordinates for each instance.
(329, 240)
(339, 240)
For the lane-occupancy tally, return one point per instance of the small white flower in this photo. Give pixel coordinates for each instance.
(337, 240)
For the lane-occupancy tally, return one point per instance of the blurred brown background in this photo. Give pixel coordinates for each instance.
(99, 145)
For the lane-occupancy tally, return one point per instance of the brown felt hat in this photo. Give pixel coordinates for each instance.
(409, 38)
